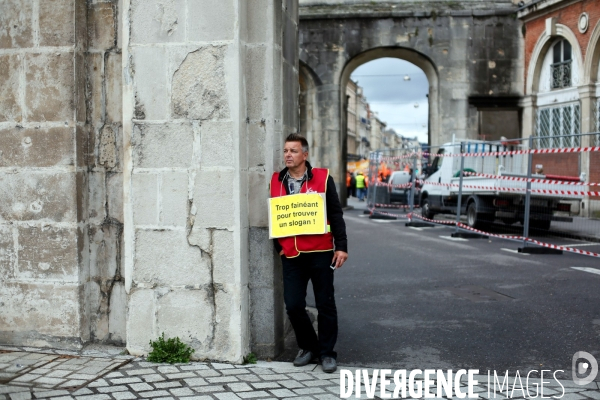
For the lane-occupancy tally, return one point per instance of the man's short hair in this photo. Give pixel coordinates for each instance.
(294, 137)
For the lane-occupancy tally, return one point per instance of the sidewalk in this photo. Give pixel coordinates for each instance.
(104, 374)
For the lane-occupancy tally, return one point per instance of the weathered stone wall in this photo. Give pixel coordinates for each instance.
(60, 173)
(43, 173)
(105, 294)
(137, 142)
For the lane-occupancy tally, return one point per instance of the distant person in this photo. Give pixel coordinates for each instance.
(353, 185)
(384, 174)
(407, 191)
(361, 188)
(348, 184)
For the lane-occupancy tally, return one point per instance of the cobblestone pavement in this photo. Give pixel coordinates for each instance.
(122, 377)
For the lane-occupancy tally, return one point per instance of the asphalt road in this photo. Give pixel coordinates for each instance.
(412, 298)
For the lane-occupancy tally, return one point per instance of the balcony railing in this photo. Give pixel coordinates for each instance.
(561, 74)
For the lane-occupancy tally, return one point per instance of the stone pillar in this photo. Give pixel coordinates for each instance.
(327, 152)
(272, 43)
(528, 115)
(43, 174)
(209, 92)
(587, 95)
(105, 290)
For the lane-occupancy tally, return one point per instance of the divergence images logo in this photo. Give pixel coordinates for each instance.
(582, 368)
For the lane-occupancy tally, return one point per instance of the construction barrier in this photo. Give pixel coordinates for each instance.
(515, 190)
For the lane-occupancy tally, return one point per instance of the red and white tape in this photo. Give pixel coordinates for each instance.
(565, 192)
(467, 227)
(518, 152)
(435, 221)
(404, 185)
(510, 237)
(385, 213)
(395, 205)
(566, 150)
(499, 189)
(569, 249)
(548, 245)
(505, 189)
(403, 157)
(532, 180)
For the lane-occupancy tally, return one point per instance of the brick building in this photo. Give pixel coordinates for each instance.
(562, 84)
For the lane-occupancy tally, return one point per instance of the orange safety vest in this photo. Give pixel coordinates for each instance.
(294, 245)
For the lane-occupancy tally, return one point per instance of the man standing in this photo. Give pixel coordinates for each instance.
(311, 257)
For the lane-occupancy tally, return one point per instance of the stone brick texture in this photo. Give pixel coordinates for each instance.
(60, 172)
(568, 16)
(103, 116)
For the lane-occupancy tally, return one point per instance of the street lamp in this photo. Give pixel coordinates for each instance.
(406, 78)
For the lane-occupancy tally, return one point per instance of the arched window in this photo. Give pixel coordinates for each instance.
(561, 64)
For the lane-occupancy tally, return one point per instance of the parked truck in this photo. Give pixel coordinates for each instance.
(495, 187)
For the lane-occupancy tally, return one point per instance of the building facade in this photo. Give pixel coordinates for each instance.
(562, 85)
(353, 138)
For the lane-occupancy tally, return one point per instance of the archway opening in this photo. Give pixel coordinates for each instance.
(323, 109)
(387, 107)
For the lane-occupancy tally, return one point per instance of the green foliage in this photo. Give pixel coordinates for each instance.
(250, 359)
(170, 351)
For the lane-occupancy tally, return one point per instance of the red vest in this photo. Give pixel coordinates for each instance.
(294, 245)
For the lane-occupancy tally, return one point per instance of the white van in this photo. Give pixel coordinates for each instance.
(488, 197)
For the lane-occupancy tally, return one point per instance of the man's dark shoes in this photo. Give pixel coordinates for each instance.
(329, 365)
(303, 358)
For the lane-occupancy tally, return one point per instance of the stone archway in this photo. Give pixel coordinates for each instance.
(591, 67)
(472, 61)
(406, 54)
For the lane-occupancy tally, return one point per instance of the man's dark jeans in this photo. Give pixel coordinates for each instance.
(296, 273)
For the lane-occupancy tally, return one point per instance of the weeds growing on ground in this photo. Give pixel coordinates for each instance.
(250, 359)
(169, 351)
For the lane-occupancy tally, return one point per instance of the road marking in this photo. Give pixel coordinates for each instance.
(415, 228)
(381, 221)
(514, 251)
(587, 269)
(580, 245)
(363, 215)
(454, 239)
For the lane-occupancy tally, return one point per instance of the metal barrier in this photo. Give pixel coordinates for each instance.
(519, 189)
(393, 174)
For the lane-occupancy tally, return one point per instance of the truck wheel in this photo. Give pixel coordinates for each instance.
(509, 221)
(477, 220)
(426, 210)
(542, 225)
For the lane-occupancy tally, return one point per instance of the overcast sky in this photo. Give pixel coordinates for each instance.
(394, 98)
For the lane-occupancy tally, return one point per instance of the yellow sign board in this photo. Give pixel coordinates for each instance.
(297, 214)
